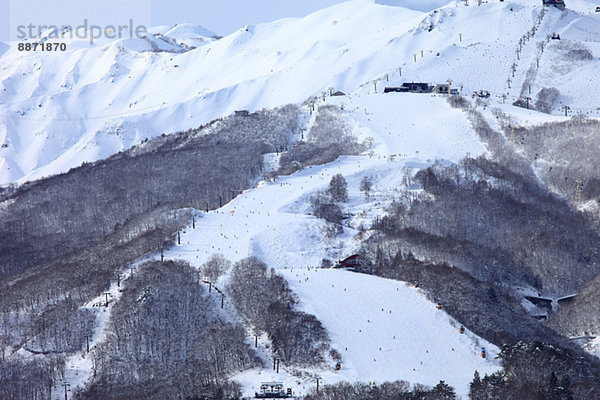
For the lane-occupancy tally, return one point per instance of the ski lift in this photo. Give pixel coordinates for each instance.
(483, 355)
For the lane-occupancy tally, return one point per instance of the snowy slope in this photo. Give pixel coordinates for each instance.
(419, 5)
(273, 223)
(386, 330)
(59, 110)
(187, 34)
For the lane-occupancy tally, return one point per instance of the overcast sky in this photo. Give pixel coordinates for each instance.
(220, 16)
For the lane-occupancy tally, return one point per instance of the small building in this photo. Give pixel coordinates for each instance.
(354, 261)
(410, 87)
(421, 87)
(565, 299)
(541, 302)
(560, 4)
(444, 88)
(273, 390)
(338, 94)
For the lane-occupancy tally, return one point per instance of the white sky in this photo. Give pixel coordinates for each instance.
(220, 16)
(225, 16)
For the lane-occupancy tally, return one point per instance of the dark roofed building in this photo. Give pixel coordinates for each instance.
(410, 87)
(354, 261)
(560, 4)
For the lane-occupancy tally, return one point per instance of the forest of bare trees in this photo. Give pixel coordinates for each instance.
(166, 340)
(68, 236)
(263, 298)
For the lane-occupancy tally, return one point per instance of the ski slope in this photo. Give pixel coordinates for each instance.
(418, 342)
(60, 110)
(386, 330)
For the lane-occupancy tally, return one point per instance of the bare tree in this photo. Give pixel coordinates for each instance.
(215, 267)
(366, 184)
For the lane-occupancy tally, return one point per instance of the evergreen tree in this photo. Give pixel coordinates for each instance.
(443, 391)
(338, 188)
(477, 388)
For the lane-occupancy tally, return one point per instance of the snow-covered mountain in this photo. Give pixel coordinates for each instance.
(59, 110)
(272, 222)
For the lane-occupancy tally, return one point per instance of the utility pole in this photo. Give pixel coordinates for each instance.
(318, 385)
(400, 70)
(578, 199)
(222, 300)
(87, 341)
(162, 254)
(278, 365)
(255, 340)
(375, 84)
(178, 237)
(118, 274)
(66, 385)
(193, 222)
(460, 36)
(220, 202)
